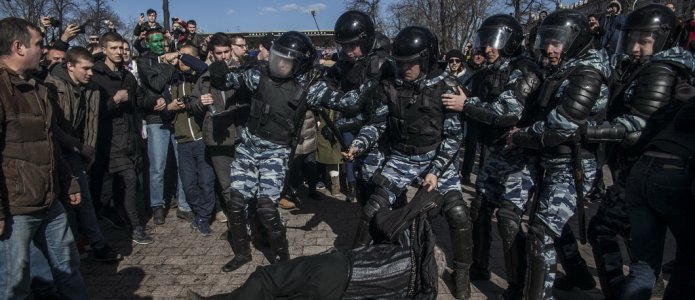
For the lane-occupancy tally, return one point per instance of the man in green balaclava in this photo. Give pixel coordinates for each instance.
(156, 69)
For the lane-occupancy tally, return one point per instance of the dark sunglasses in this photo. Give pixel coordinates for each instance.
(455, 60)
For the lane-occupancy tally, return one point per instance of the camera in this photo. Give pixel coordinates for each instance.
(185, 100)
(82, 28)
(174, 20)
(142, 15)
(55, 22)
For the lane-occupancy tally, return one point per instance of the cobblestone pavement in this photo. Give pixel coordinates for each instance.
(180, 259)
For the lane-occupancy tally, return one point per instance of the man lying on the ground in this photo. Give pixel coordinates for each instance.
(399, 265)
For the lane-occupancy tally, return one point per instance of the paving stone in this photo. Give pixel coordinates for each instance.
(181, 260)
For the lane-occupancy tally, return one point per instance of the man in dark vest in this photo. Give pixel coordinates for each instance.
(282, 91)
(33, 172)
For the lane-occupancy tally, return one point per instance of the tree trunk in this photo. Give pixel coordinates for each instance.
(165, 12)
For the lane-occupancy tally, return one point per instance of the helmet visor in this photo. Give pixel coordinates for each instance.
(638, 43)
(282, 64)
(558, 38)
(495, 38)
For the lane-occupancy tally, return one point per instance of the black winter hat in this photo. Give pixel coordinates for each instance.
(455, 53)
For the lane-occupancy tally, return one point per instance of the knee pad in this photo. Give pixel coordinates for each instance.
(458, 217)
(377, 201)
(234, 200)
(456, 212)
(508, 221)
(508, 212)
(268, 213)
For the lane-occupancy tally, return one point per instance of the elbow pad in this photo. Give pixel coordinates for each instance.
(480, 114)
(605, 133)
(654, 89)
(580, 94)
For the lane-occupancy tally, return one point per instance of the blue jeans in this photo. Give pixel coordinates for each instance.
(158, 138)
(50, 234)
(658, 197)
(198, 178)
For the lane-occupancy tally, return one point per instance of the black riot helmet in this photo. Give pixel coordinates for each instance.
(355, 28)
(566, 28)
(415, 43)
(501, 32)
(291, 54)
(648, 30)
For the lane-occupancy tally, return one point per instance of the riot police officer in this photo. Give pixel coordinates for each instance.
(423, 138)
(362, 57)
(282, 91)
(507, 176)
(643, 99)
(573, 95)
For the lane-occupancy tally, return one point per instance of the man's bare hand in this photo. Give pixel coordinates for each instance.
(350, 154)
(120, 96)
(160, 104)
(176, 105)
(45, 22)
(454, 102)
(70, 33)
(430, 182)
(206, 99)
(170, 57)
(75, 199)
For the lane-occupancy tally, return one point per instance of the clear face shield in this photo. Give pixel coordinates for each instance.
(552, 42)
(637, 44)
(495, 38)
(283, 63)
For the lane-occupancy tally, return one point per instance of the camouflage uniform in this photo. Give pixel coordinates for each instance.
(507, 176)
(373, 158)
(260, 164)
(402, 169)
(439, 158)
(557, 131)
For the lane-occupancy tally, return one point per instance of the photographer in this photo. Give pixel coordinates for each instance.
(149, 25)
(596, 31)
(196, 173)
(179, 34)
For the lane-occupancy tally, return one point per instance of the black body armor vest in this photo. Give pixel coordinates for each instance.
(490, 82)
(276, 108)
(416, 117)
